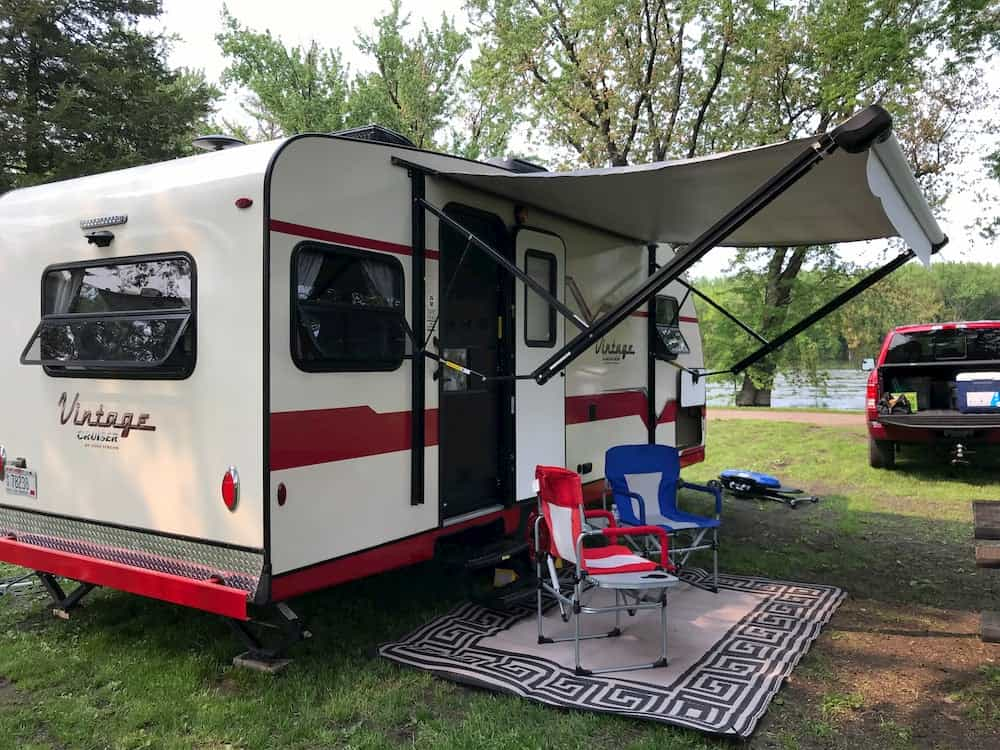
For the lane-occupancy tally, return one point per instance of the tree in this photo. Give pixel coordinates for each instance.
(614, 81)
(82, 90)
(418, 86)
(292, 89)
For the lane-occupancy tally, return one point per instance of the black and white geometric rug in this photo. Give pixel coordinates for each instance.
(729, 652)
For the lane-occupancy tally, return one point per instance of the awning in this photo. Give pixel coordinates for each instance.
(852, 196)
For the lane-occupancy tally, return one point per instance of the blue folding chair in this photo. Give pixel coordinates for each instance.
(636, 474)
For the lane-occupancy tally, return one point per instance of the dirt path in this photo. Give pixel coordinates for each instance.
(825, 419)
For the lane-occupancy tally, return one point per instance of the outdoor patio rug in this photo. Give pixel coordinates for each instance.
(729, 652)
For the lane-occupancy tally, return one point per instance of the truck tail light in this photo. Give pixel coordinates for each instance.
(231, 488)
(871, 396)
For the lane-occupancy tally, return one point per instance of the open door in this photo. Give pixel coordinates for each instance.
(474, 416)
(540, 409)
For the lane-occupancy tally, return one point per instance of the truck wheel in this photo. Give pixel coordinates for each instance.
(881, 454)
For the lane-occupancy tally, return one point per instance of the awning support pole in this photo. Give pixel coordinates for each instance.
(511, 268)
(651, 415)
(701, 295)
(840, 300)
(688, 256)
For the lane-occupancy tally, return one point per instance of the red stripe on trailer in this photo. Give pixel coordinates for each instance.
(327, 235)
(613, 406)
(415, 549)
(319, 436)
(203, 595)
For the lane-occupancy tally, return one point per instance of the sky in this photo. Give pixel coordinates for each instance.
(336, 23)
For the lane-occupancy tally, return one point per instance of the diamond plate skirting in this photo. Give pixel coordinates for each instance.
(180, 557)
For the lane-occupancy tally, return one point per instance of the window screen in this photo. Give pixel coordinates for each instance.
(130, 318)
(347, 309)
(539, 316)
(670, 342)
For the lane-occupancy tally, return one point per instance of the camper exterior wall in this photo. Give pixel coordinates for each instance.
(340, 440)
(164, 481)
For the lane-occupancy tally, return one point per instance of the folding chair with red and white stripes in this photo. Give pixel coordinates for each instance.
(561, 529)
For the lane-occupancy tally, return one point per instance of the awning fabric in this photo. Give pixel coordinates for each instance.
(848, 197)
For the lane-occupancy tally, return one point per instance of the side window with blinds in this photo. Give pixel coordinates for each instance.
(127, 318)
(539, 316)
(347, 309)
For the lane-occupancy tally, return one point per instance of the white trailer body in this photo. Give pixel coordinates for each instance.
(209, 397)
(322, 450)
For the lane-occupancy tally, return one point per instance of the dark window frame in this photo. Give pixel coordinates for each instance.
(553, 285)
(659, 351)
(129, 372)
(294, 323)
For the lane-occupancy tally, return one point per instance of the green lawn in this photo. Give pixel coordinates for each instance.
(127, 672)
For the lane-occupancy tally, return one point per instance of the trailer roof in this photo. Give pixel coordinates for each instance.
(849, 197)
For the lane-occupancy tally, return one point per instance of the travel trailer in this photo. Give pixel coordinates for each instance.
(238, 377)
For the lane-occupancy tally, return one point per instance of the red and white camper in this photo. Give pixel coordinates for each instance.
(237, 377)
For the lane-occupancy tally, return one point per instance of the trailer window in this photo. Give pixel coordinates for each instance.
(539, 316)
(347, 309)
(130, 318)
(670, 342)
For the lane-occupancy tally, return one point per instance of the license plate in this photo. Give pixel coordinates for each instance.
(21, 482)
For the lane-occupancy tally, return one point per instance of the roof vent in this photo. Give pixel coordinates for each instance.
(216, 142)
(376, 133)
(521, 166)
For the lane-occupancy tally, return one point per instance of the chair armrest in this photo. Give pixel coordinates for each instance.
(641, 531)
(601, 514)
(716, 491)
(634, 496)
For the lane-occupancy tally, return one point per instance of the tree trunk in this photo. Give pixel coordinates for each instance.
(750, 395)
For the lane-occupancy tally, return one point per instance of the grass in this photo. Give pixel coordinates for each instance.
(127, 672)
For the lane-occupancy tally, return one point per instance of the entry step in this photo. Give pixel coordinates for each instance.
(497, 553)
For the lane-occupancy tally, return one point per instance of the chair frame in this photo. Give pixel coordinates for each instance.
(630, 591)
(678, 555)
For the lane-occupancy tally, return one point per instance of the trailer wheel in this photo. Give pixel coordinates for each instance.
(881, 454)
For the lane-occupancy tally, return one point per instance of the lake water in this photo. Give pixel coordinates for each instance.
(845, 389)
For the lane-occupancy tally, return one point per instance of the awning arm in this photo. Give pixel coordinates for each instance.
(837, 302)
(701, 295)
(501, 261)
(854, 136)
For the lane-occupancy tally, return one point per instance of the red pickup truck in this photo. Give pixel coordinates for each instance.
(934, 383)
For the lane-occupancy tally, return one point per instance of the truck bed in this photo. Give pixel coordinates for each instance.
(942, 419)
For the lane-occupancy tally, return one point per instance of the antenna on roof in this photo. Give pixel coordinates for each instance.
(216, 142)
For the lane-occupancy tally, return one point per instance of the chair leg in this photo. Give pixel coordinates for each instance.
(577, 615)
(715, 558)
(663, 629)
(538, 585)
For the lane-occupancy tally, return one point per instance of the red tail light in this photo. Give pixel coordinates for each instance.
(871, 396)
(231, 488)
(3, 462)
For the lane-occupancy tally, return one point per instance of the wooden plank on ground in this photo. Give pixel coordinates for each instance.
(989, 627)
(986, 515)
(988, 555)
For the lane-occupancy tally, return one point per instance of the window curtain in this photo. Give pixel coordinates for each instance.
(309, 266)
(67, 290)
(382, 278)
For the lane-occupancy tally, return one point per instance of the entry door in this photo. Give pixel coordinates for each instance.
(474, 417)
(540, 409)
